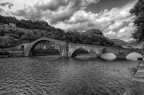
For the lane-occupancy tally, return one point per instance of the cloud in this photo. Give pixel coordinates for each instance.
(7, 4)
(1, 10)
(53, 11)
(29, 14)
(115, 23)
(123, 33)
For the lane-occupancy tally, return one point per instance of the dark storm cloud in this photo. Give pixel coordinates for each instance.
(20, 13)
(54, 11)
(53, 5)
(107, 4)
(7, 4)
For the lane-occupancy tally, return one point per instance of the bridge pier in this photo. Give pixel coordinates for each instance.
(93, 54)
(64, 51)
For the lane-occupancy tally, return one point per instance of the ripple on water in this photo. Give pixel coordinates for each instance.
(44, 76)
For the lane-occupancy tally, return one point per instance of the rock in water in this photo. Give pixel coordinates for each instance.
(133, 56)
(108, 56)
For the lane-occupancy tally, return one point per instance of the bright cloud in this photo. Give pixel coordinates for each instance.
(115, 23)
(53, 11)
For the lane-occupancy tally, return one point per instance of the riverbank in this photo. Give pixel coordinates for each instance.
(11, 53)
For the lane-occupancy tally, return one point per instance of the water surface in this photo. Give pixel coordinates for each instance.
(67, 76)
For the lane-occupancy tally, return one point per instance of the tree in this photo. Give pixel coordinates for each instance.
(138, 12)
(72, 36)
(6, 42)
(92, 32)
(29, 37)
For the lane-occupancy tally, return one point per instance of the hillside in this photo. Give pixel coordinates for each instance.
(92, 32)
(136, 44)
(119, 42)
(15, 32)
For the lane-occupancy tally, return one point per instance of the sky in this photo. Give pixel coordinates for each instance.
(112, 17)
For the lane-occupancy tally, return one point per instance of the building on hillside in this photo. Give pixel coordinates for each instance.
(12, 25)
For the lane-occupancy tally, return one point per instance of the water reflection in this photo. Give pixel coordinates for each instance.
(66, 76)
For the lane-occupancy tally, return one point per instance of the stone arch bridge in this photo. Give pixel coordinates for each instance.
(67, 49)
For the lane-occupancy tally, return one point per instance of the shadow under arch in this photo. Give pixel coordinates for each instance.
(80, 51)
(51, 49)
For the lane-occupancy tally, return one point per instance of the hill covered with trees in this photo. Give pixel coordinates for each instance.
(119, 42)
(27, 31)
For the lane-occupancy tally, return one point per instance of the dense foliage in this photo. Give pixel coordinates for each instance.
(27, 31)
(138, 12)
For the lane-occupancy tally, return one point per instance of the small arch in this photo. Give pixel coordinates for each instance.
(22, 47)
(54, 50)
(79, 51)
(108, 56)
(133, 56)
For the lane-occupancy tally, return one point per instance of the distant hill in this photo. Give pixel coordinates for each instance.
(135, 44)
(119, 42)
(92, 32)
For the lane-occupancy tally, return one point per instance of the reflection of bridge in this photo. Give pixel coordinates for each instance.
(67, 49)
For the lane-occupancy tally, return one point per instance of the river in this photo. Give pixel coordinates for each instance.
(66, 76)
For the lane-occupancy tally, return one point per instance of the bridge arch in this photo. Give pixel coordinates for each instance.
(76, 51)
(29, 48)
(133, 55)
(55, 48)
